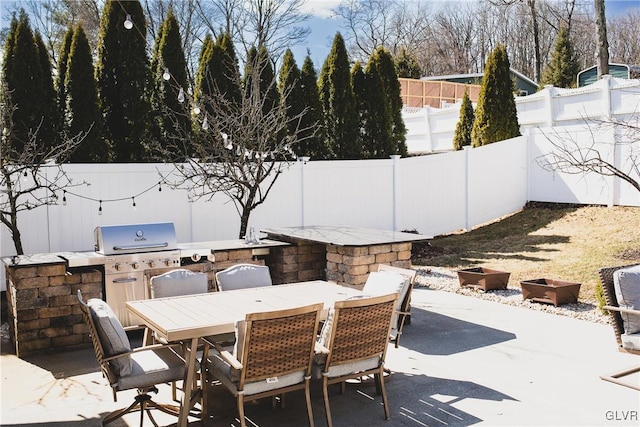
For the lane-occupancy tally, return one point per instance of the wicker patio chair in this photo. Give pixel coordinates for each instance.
(142, 368)
(273, 355)
(353, 344)
(241, 276)
(404, 312)
(618, 315)
(384, 282)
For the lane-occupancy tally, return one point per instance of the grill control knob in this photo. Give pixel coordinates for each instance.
(117, 267)
(167, 262)
(135, 265)
(151, 264)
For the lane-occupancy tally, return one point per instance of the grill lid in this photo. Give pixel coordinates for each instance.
(135, 238)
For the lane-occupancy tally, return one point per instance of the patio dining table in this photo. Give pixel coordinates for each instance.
(191, 317)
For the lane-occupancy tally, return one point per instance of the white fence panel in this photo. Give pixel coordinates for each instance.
(497, 180)
(431, 193)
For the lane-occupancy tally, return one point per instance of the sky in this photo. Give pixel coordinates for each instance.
(324, 25)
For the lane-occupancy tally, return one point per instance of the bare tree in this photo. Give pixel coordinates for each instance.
(241, 149)
(571, 156)
(30, 178)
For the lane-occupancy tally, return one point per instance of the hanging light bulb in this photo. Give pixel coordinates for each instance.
(159, 186)
(196, 110)
(25, 175)
(100, 208)
(166, 75)
(64, 198)
(133, 199)
(128, 23)
(205, 123)
(181, 96)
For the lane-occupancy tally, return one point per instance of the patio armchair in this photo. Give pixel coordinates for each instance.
(404, 316)
(353, 343)
(241, 276)
(141, 368)
(621, 287)
(385, 282)
(273, 355)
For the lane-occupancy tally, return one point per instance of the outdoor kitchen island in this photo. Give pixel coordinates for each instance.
(344, 255)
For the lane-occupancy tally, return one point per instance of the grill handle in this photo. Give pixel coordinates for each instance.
(138, 247)
(126, 280)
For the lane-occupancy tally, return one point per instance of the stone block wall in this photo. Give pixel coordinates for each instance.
(43, 307)
(351, 265)
(302, 261)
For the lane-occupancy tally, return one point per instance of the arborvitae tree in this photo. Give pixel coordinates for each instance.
(263, 80)
(82, 113)
(290, 88)
(313, 145)
(49, 132)
(378, 124)
(122, 73)
(496, 114)
(391, 90)
(203, 85)
(563, 69)
(407, 65)
(228, 80)
(169, 101)
(359, 85)
(22, 74)
(338, 102)
(63, 57)
(462, 136)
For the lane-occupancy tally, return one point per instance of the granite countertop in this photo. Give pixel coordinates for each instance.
(345, 236)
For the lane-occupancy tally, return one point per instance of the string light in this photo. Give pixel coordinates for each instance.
(25, 175)
(196, 110)
(166, 75)
(128, 23)
(133, 199)
(181, 96)
(205, 123)
(64, 197)
(100, 208)
(159, 186)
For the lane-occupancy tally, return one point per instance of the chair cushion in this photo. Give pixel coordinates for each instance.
(243, 276)
(153, 366)
(626, 282)
(112, 336)
(344, 369)
(386, 282)
(178, 282)
(630, 341)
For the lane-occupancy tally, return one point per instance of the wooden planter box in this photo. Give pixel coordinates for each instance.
(483, 278)
(550, 291)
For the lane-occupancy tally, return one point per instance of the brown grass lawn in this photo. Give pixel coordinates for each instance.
(563, 242)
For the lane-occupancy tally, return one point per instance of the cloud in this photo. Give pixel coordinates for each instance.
(320, 8)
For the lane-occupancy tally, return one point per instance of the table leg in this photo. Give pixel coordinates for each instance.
(187, 385)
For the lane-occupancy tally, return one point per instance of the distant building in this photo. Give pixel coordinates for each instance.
(621, 71)
(524, 84)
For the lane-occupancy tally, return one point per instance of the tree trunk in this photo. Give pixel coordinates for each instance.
(602, 44)
(536, 40)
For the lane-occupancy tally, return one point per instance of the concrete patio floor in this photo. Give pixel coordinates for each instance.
(462, 361)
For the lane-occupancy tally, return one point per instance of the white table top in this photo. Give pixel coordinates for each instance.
(193, 316)
(345, 236)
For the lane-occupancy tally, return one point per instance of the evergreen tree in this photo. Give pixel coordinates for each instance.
(203, 84)
(63, 57)
(122, 72)
(315, 143)
(228, 79)
(407, 65)
(49, 132)
(391, 90)
(462, 136)
(22, 74)
(290, 88)
(338, 102)
(359, 85)
(169, 70)
(82, 113)
(563, 69)
(259, 75)
(496, 115)
(377, 123)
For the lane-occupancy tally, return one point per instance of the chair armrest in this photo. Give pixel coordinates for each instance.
(622, 310)
(223, 353)
(320, 349)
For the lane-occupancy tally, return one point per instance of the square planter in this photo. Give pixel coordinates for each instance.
(550, 291)
(483, 278)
